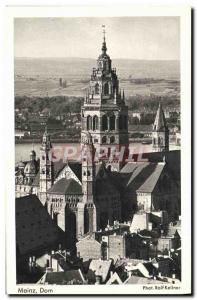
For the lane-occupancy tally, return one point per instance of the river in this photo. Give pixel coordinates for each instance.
(22, 151)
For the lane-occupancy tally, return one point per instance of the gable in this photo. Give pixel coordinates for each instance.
(68, 173)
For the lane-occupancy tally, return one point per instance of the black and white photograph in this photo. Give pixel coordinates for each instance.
(99, 135)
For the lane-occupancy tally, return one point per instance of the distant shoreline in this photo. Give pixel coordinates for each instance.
(89, 58)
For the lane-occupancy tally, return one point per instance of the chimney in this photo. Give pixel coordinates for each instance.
(98, 280)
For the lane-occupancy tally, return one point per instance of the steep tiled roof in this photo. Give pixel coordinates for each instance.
(35, 229)
(149, 184)
(138, 174)
(66, 187)
(142, 280)
(58, 166)
(76, 168)
(67, 277)
(142, 176)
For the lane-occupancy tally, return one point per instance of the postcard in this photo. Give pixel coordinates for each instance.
(98, 184)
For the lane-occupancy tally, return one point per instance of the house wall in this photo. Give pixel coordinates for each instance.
(116, 246)
(89, 249)
(144, 201)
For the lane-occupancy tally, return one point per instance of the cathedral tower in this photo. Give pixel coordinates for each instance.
(160, 133)
(46, 167)
(104, 113)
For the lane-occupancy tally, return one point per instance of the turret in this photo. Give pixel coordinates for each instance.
(160, 133)
(46, 167)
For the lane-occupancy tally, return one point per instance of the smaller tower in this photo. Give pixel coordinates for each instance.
(88, 168)
(32, 155)
(160, 133)
(46, 167)
(86, 211)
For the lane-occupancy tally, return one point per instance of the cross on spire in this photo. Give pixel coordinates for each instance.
(103, 26)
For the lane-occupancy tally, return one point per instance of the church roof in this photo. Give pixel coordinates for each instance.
(58, 166)
(75, 167)
(151, 181)
(66, 187)
(143, 176)
(160, 120)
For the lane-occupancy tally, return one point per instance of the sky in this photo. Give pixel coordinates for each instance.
(149, 38)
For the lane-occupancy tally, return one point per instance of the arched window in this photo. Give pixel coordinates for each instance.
(153, 141)
(89, 122)
(112, 139)
(106, 89)
(161, 141)
(95, 123)
(104, 123)
(104, 139)
(112, 122)
(97, 88)
(121, 122)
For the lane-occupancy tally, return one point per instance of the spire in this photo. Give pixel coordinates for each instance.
(104, 47)
(160, 120)
(46, 141)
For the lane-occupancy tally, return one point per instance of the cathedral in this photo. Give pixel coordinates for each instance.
(86, 196)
